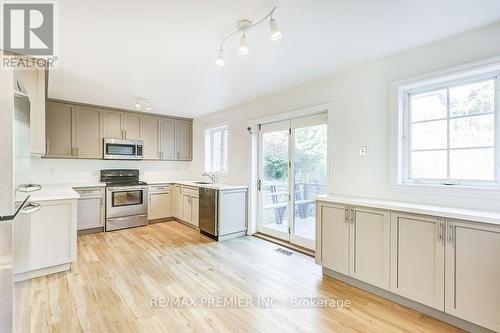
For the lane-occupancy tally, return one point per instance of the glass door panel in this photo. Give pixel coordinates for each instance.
(309, 177)
(274, 180)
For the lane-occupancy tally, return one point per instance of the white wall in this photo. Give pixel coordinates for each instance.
(83, 171)
(360, 97)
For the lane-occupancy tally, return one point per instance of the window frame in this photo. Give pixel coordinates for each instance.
(209, 154)
(401, 132)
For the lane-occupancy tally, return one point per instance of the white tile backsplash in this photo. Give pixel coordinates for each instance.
(84, 171)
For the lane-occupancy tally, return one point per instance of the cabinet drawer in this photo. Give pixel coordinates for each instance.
(90, 192)
(191, 191)
(159, 188)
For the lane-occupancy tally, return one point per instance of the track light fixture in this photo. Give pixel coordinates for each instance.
(142, 103)
(242, 27)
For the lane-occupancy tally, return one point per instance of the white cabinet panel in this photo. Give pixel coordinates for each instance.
(160, 205)
(46, 238)
(370, 246)
(417, 269)
(473, 273)
(90, 213)
(333, 245)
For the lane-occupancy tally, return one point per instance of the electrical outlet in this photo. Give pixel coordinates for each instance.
(363, 151)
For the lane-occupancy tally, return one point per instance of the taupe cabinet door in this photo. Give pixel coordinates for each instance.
(473, 272)
(132, 126)
(150, 137)
(167, 139)
(417, 268)
(370, 246)
(78, 132)
(333, 245)
(87, 133)
(183, 139)
(58, 128)
(112, 125)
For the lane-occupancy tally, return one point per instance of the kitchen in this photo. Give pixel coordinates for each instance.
(234, 183)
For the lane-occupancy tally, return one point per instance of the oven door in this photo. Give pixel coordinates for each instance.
(126, 201)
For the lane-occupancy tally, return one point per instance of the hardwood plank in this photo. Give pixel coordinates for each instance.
(110, 286)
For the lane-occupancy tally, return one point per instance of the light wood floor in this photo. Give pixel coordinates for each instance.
(109, 289)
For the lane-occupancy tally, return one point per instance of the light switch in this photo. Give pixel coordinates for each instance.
(362, 151)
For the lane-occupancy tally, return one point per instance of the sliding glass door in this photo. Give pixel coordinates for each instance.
(293, 170)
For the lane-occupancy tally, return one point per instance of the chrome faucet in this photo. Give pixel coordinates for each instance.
(212, 177)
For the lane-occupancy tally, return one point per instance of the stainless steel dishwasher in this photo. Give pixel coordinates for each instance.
(208, 212)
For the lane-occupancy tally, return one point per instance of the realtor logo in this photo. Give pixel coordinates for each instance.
(28, 28)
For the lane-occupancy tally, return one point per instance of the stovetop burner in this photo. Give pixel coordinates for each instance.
(121, 177)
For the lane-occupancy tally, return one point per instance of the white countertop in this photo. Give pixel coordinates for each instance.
(53, 192)
(216, 186)
(439, 211)
(66, 191)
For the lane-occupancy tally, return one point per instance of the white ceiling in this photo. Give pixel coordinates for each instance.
(165, 50)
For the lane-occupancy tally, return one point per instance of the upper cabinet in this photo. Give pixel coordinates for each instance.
(75, 131)
(150, 137)
(167, 139)
(59, 131)
(87, 132)
(183, 135)
(112, 125)
(132, 126)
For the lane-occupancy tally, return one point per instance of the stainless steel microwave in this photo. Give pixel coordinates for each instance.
(118, 149)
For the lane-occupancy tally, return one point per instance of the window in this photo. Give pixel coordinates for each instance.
(216, 149)
(450, 133)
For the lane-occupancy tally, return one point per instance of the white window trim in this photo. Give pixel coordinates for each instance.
(397, 151)
(211, 128)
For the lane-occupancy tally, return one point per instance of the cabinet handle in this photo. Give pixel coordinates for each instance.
(346, 215)
(440, 230)
(31, 208)
(450, 233)
(353, 215)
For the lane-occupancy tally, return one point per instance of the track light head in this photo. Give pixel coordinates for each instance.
(275, 32)
(243, 45)
(220, 58)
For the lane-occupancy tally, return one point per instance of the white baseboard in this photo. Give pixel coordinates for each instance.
(41, 272)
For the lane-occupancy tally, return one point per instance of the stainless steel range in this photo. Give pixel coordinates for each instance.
(126, 199)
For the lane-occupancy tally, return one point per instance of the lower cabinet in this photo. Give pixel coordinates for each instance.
(355, 241)
(178, 201)
(370, 246)
(190, 205)
(452, 266)
(160, 202)
(332, 249)
(473, 273)
(91, 210)
(417, 268)
(160, 205)
(45, 241)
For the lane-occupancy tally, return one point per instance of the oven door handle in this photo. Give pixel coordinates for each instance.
(128, 188)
